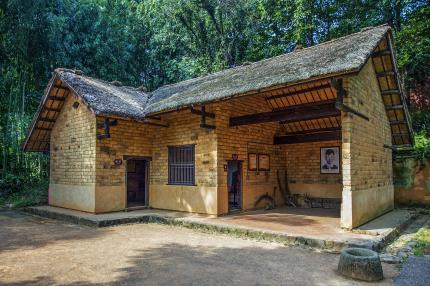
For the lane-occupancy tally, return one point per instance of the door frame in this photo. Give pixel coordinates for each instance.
(240, 162)
(147, 161)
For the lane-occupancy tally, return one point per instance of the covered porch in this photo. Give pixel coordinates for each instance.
(298, 126)
(332, 140)
(318, 228)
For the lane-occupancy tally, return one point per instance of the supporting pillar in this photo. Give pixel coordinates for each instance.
(346, 217)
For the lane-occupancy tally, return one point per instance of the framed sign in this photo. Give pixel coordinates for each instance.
(252, 162)
(329, 160)
(263, 162)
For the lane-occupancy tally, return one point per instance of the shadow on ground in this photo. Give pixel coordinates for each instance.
(177, 264)
(21, 231)
(36, 251)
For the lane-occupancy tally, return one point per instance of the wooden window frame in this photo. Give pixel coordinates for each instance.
(181, 173)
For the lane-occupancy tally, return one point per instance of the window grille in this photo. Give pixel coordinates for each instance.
(181, 165)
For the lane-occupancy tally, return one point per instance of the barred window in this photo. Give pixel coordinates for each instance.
(181, 165)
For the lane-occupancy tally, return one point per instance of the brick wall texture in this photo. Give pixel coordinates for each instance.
(367, 165)
(242, 140)
(78, 158)
(73, 157)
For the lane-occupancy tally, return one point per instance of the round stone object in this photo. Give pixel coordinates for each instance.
(361, 264)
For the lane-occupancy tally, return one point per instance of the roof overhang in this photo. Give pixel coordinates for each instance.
(64, 82)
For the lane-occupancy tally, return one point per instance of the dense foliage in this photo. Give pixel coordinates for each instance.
(154, 42)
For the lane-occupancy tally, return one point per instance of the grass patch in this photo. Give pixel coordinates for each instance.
(31, 195)
(423, 242)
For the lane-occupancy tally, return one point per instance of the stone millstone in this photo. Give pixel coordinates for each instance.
(361, 264)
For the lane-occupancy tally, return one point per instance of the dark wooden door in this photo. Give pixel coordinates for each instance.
(136, 182)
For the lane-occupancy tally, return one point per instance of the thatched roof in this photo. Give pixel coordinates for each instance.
(106, 98)
(342, 55)
(339, 57)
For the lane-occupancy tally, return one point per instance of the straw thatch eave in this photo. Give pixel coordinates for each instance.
(339, 58)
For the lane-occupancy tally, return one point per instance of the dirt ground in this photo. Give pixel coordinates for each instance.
(36, 251)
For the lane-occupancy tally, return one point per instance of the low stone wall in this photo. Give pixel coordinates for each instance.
(412, 182)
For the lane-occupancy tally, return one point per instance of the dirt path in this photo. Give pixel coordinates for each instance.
(35, 251)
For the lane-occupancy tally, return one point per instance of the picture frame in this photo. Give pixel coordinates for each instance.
(263, 162)
(252, 161)
(330, 160)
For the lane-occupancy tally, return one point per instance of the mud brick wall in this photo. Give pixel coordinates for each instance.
(242, 140)
(126, 138)
(72, 155)
(367, 165)
(412, 181)
(304, 172)
(84, 176)
(184, 129)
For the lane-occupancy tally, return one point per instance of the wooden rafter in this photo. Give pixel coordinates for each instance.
(391, 107)
(314, 110)
(47, 120)
(341, 92)
(309, 137)
(203, 115)
(390, 92)
(381, 53)
(106, 126)
(52, 109)
(315, 130)
(385, 73)
(315, 88)
(155, 122)
(42, 128)
(61, 87)
(57, 98)
(396, 122)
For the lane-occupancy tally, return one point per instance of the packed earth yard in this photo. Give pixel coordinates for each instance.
(39, 251)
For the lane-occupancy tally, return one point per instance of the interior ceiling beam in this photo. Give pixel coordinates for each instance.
(390, 91)
(155, 122)
(311, 137)
(309, 131)
(401, 134)
(381, 53)
(61, 87)
(203, 114)
(385, 73)
(391, 107)
(315, 88)
(42, 128)
(395, 122)
(341, 93)
(58, 98)
(46, 120)
(308, 111)
(52, 109)
(40, 140)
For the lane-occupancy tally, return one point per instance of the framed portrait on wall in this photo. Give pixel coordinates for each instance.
(329, 160)
(263, 162)
(252, 162)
